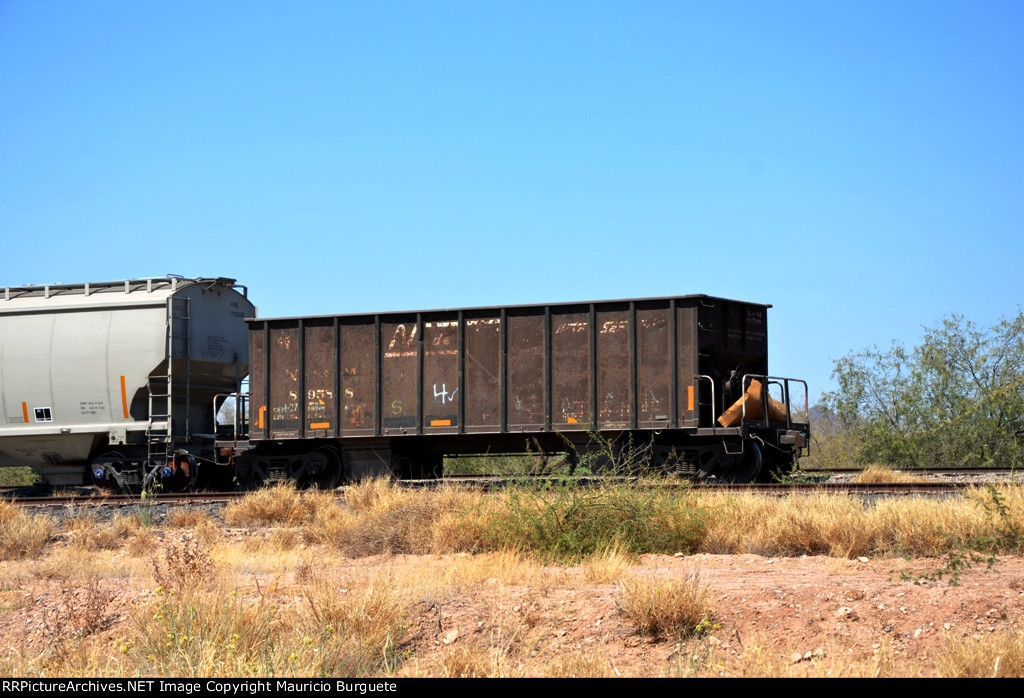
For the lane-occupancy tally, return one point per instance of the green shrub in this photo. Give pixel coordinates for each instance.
(569, 523)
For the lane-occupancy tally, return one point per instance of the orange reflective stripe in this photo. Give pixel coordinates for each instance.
(124, 398)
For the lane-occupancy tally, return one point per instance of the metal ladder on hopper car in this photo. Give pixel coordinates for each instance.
(160, 428)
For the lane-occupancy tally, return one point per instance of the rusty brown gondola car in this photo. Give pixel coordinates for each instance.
(335, 398)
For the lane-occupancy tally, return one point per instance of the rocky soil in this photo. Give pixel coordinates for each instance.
(809, 614)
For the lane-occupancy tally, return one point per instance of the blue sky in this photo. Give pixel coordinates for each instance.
(858, 165)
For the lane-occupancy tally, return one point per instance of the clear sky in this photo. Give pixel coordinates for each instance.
(859, 165)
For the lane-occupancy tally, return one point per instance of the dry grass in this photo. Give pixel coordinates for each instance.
(580, 666)
(1011, 497)
(188, 517)
(376, 517)
(880, 474)
(79, 613)
(820, 524)
(469, 662)
(281, 505)
(254, 555)
(462, 525)
(273, 603)
(466, 662)
(508, 567)
(925, 527)
(22, 535)
(674, 608)
(608, 565)
(184, 566)
(203, 619)
(764, 657)
(207, 630)
(91, 533)
(1000, 656)
(801, 524)
(370, 613)
(197, 522)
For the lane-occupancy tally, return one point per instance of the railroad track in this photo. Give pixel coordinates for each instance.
(110, 499)
(96, 498)
(923, 472)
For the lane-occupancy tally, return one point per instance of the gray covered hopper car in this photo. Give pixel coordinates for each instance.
(342, 396)
(116, 381)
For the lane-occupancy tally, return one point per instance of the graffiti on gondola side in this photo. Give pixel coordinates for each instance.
(402, 343)
(443, 393)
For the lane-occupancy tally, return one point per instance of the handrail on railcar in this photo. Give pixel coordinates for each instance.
(699, 377)
(240, 423)
(766, 382)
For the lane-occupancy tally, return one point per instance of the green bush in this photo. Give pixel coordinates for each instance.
(957, 399)
(19, 476)
(569, 523)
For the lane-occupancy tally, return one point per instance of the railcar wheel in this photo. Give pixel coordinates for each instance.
(105, 471)
(328, 474)
(251, 470)
(216, 478)
(776, 469)
(418, 468)
(180, 473)
(432, 467)
(401, 467)
(744, 467)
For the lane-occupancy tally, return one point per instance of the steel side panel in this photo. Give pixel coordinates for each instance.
(283, 406)
(614, 391)
(318, 385)
(482, 393)
(258, 420)
(689, 388)
(606, 365)
(400, 357)
(359, 378)
(441, 389)
(527, 368)
(570, 370)
(72, 363)
(40, 450)
(653, 369)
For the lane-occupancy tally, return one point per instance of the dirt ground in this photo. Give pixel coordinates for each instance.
(790, 612)
(794, 610)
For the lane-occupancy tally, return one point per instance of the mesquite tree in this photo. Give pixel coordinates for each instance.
(957, 399)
